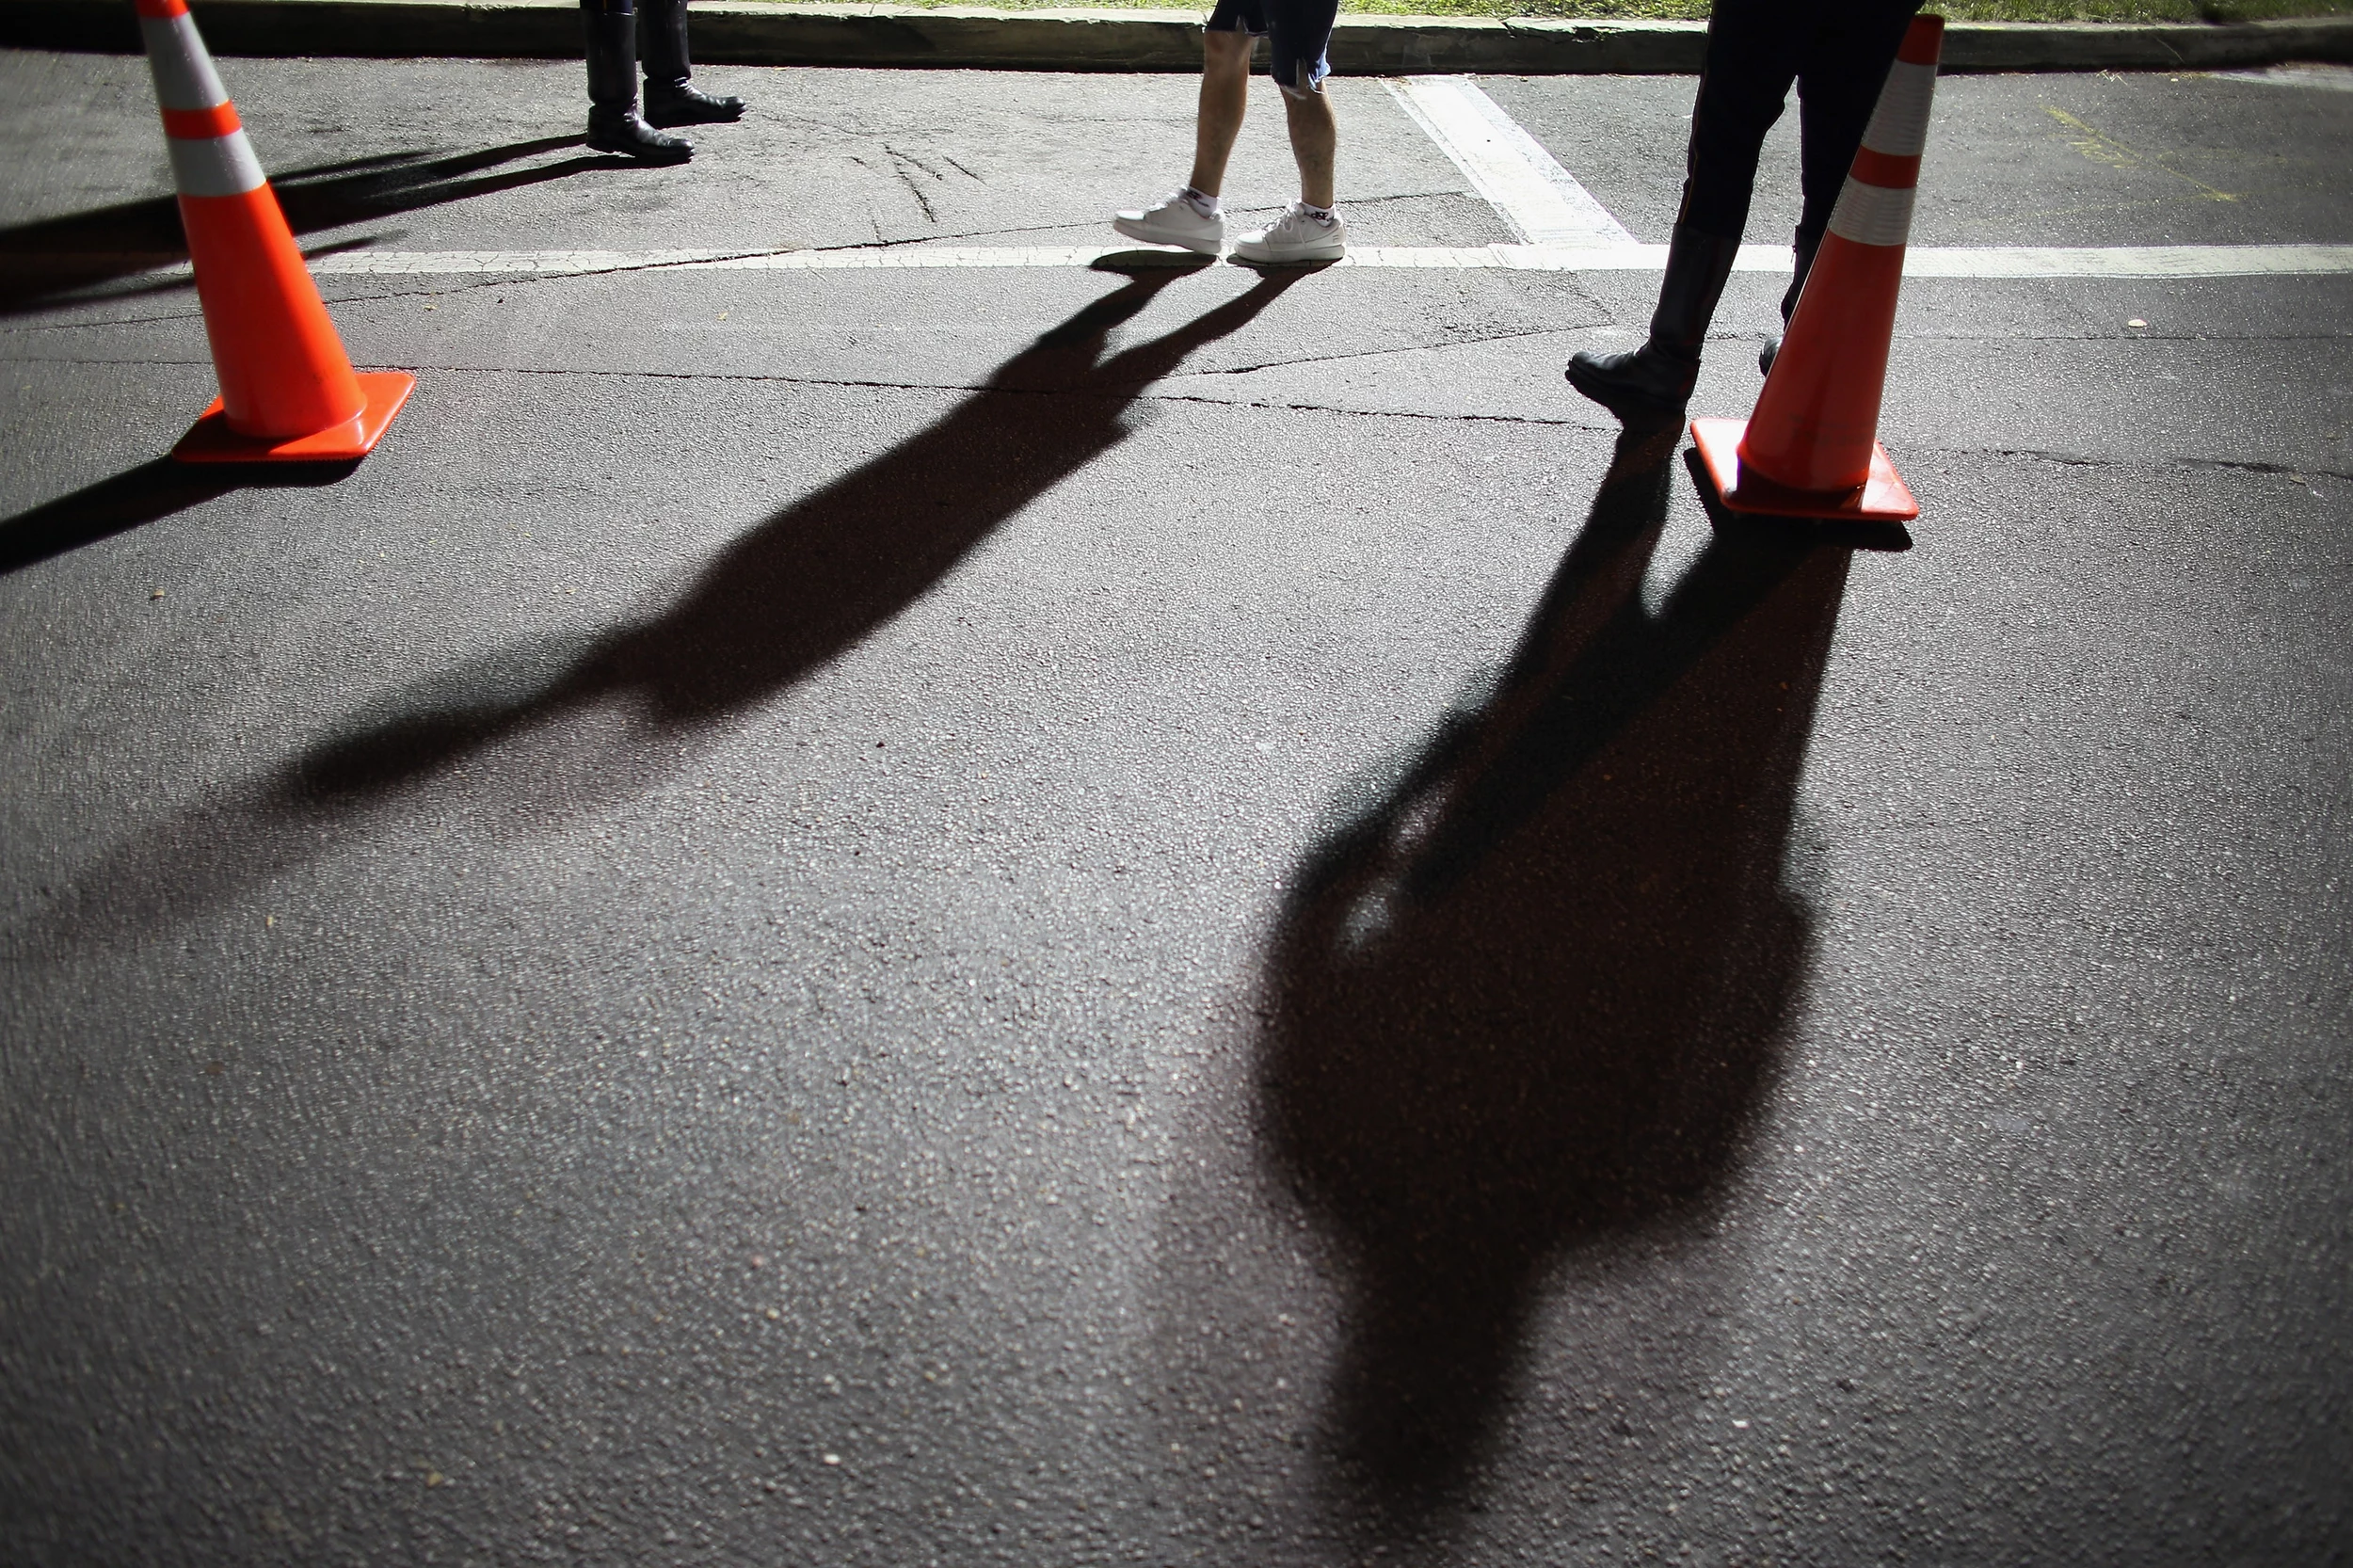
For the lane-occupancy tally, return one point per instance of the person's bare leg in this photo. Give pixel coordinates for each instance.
(1314, 144)
(1225, 94)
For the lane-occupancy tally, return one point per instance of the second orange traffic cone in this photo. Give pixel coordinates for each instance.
(288, 394)
(1810, 449)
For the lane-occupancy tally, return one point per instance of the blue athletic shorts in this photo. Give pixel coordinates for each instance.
(1299, 33)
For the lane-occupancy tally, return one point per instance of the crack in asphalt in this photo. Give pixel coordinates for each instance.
(465, 283)
(2078, 459)
(1119, 390)
(1408, 348)
(1126, 390)
(899, 164)
(518, 279)
(1425, 415)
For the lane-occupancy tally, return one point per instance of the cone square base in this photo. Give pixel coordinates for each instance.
(1884, 497)
(212, 441)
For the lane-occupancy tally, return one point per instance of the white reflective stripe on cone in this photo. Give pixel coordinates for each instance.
(1873, 214)
(223, 166)
(185, 77)
(1900, 125)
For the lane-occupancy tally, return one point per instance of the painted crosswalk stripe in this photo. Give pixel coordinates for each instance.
(2116, 261)
(1980, 263)
(1973, 262)
(1541, 202)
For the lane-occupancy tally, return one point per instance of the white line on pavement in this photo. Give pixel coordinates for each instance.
(2329, 78)
(1988, 262)
(1541, 202)
(2115, 261)
(1991, 262)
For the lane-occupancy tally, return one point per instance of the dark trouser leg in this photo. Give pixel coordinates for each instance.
(1802, 253)
(1651, 384)
(670, 100)
(1753, 53)
(1751, 60)
(1838, 86)
(612, 122)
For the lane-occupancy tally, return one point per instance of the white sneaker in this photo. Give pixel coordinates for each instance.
(1174, 220)
(1298, 236)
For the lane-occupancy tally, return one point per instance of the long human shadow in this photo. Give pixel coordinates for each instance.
(1528, 1001)
(41, 262)
(153, 490)
(789, 594)
(824, 573)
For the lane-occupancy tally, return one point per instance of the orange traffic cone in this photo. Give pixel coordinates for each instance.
(1811, 448)
(287, 391)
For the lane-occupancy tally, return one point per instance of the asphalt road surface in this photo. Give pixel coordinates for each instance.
(1086, 914)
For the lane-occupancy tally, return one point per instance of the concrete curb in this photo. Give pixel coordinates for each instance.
(745, 32)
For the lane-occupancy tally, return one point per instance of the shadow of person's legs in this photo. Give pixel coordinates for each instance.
(798, 590)
(136, 497)
(328, 201)
(1531, 998)
(41, 262)
(543, 731)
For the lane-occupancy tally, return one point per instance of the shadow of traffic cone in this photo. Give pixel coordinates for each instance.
(288, 394)
(1810, 449)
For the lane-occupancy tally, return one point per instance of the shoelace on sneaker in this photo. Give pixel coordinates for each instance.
(1298, 220)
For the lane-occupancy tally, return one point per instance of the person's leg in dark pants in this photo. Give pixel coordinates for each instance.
(612, 122)
(1754, 48)
(670, 99)
(1838, 86)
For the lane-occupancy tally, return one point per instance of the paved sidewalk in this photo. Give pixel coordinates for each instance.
(1094, 912)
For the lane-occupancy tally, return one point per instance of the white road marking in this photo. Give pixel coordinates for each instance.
(1920, 261)
(2335, 78)
(1563, 230)
(2118, 260)
(1541, 202)
(1985, 263)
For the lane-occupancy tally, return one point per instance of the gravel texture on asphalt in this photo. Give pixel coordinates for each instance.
(1058, 916)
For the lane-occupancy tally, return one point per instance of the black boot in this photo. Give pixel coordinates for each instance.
(612, 122)
(670, 100)
(1651, 384)
(1803, 251)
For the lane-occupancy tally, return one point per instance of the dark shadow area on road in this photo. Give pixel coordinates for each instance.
(539, 733)
(820, 575)
(138, 496)
(1144, 260)
(40, 262)
(1528, 999)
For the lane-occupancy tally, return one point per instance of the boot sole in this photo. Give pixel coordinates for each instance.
(1292, 258)
(670, 122)
(658, 155)
(1632, 407)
